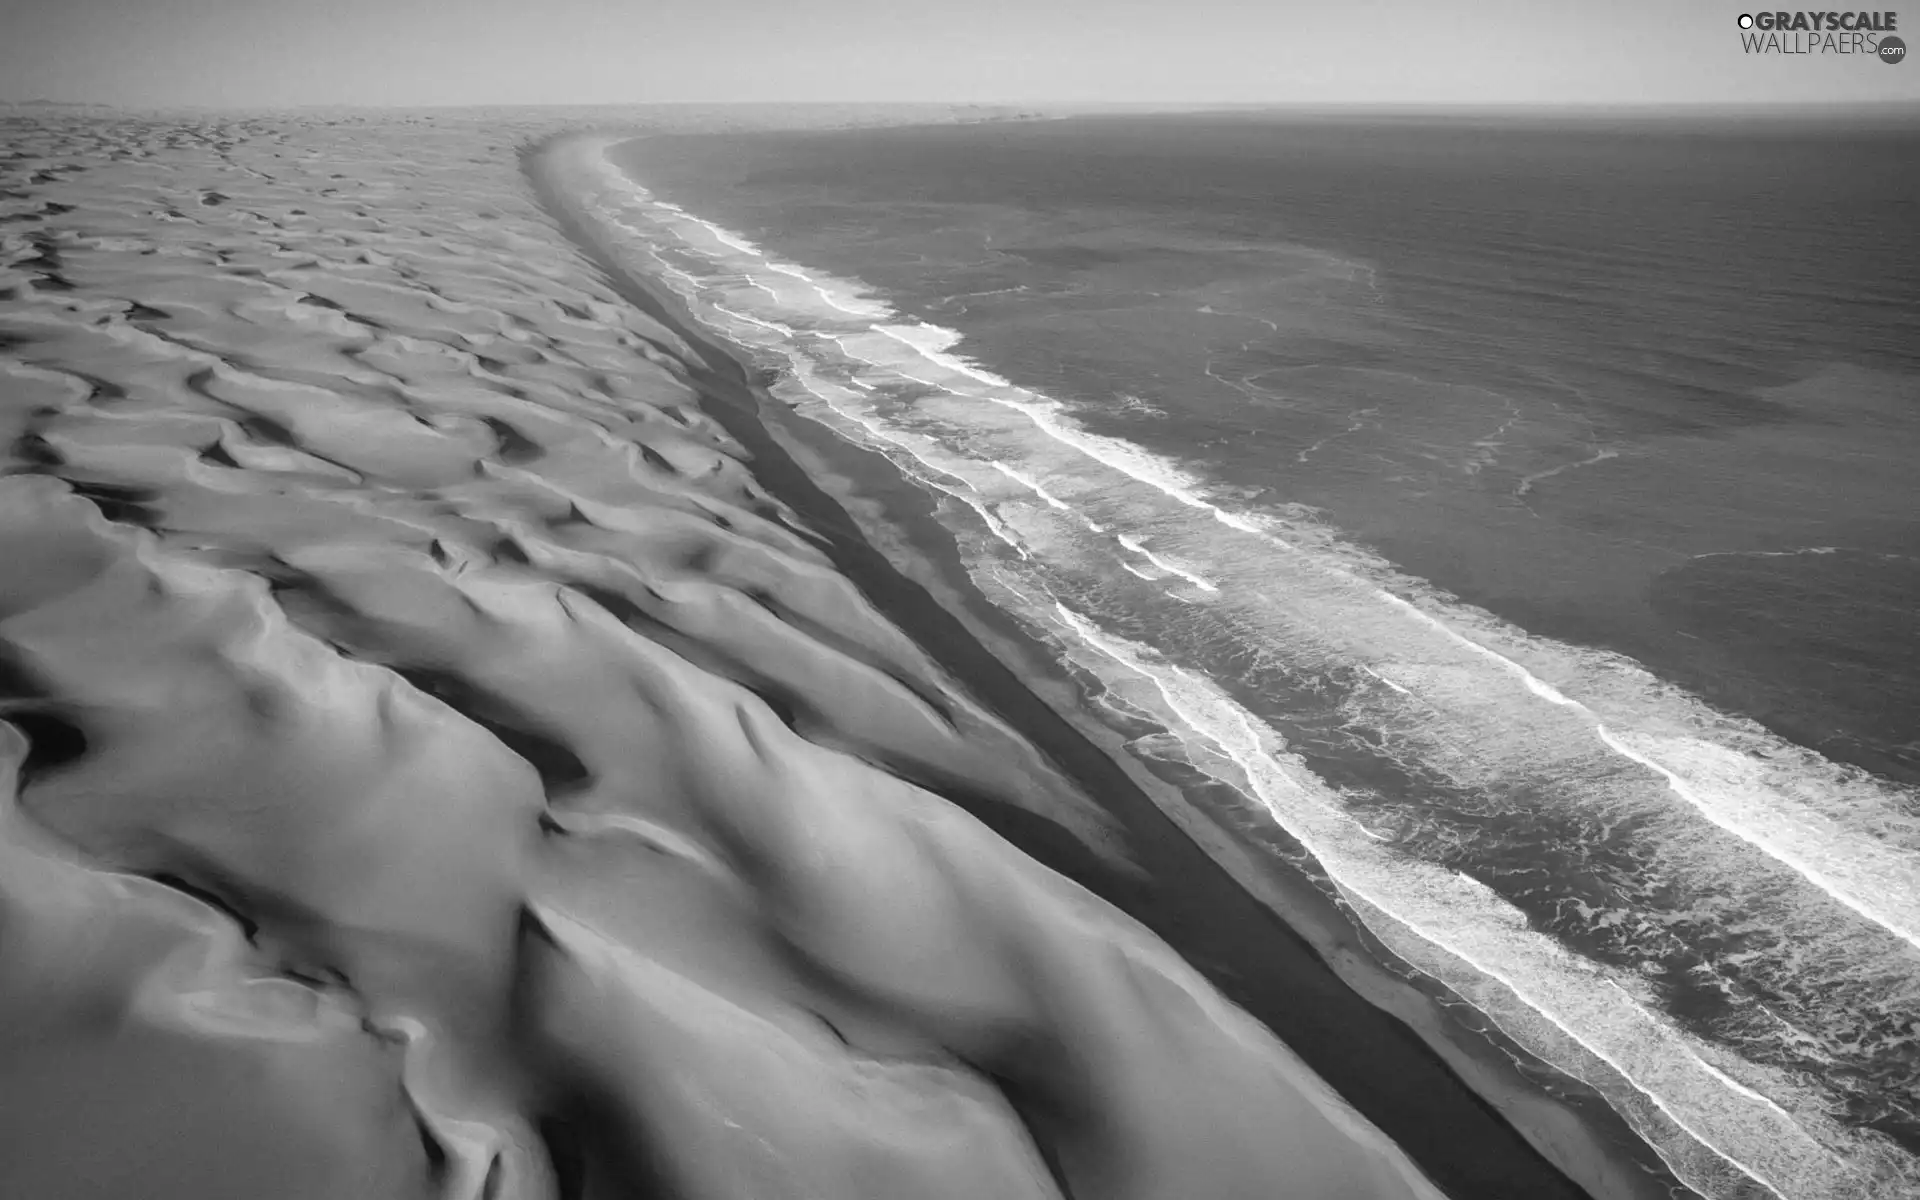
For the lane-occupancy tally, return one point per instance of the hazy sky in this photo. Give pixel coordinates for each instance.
(271, 52)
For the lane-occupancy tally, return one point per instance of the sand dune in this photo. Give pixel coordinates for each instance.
(436, 766)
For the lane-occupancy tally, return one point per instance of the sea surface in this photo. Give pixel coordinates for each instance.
(1516, 522)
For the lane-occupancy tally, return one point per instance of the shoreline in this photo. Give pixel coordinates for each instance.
(1454, 1100)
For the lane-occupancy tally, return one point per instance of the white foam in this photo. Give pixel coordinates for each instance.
(1199, 581)
(1383, 679)
(750, 319)
(1469, 921)
(846, 299)
(1032, 485)
(1882, 886)
(731, 241)
(931, 466)
(932, 342)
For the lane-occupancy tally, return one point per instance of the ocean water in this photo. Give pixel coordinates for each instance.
(1520, 517)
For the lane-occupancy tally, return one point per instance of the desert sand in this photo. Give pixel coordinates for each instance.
(435, 765)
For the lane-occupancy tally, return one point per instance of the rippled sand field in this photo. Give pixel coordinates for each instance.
(435, 766)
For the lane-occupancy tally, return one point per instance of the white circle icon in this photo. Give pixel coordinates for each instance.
(1746, 21)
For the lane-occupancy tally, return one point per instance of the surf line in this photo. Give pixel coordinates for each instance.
(1675, 782)
(1048, 420)
(933, 345)
(1247, 752)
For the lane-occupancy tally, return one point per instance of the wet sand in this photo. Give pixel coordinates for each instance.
(453, 750)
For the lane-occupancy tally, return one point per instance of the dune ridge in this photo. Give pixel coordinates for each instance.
(435, 766)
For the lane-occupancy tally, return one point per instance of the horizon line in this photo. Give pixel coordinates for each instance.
(1903, 105)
